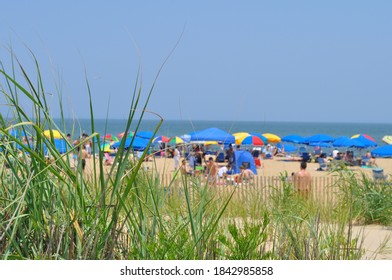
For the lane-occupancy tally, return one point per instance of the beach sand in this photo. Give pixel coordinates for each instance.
(373, 235)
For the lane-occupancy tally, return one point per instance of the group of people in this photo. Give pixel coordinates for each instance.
(347, 158)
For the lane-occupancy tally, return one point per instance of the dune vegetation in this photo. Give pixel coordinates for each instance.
(49, 210)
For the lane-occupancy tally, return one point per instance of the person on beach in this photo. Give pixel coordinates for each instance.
(176, 157)
(83, 155)
(230, 154)
(184, 169)
(246, 175)
(211, 171)
(303, 181)
(372, 162)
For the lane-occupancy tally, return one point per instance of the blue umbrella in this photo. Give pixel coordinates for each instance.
(320, 144)
(145, 134)
(340, 141)
(294, 139)
(138, 144)
(348, 142)
(287, 147)
(384, 151)
(367, 142)
(320, 138)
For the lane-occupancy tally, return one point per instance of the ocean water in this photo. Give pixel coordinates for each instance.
(176, 127)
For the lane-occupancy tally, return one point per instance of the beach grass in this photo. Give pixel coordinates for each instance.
(49, 210)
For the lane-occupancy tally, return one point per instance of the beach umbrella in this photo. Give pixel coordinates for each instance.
(364, 136)
(320, 144)
(106, 148)
(56, 134)
(294, 139)
(176, 140)
(130, 134)
(186, 137)
(211, 143)
(387, 139)
(348, 142)
(252, 140)
(319, 138)
(365, 139)
(272, 138)
(110, 137)
(145, 134)
(137, 143)
(265, 140)
(239, 136)
(161, 139)
(383, 151)
(287, 147)
(340, 141)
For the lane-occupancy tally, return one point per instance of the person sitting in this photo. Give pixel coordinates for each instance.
(223, 173)
(322, 162)
(366, 158)
(372, 162)
(184, 169)
(245, 176)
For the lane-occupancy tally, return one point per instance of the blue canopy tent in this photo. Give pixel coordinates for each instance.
(138, 144)
(294, 139)
(383, 151)
(213, 134)
(243, 158)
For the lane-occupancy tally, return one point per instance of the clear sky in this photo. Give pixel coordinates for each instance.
(236, 60)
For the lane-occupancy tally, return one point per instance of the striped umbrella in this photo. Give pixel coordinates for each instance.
(387, 139)
(365, 139)
(160, 139)
(239, 136)
(130, 134)
(272, 138)
(265, 140)
(176, 140)
(252, 140)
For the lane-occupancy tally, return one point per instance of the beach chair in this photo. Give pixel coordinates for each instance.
(301, 151)
(305, 157)
(220, 157)
(323, 165)
(108, 159)
(378, 174)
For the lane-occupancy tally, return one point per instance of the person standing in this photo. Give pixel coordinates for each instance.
(211, 171)
(176, 157)
(303, 181)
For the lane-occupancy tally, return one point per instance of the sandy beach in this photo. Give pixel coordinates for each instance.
(373, 235)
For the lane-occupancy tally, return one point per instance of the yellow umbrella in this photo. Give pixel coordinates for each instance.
(211, 143)
(239, 136)
(272, 138)
(56, 134)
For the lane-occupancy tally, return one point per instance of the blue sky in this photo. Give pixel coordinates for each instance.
(236, 60)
